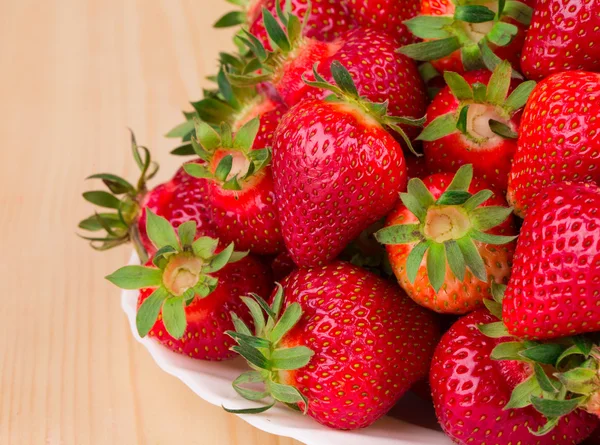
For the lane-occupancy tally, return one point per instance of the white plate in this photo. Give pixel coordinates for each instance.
(212, 382)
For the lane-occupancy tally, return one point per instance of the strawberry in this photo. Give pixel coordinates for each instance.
(336, 170)
(561, 38)
(459, 224)
(386, 16)
(559, 137)
(555, 283)
(594, 439)
(462, 36)
(181, 199)
(347, 346)
(473, 394)
(474, 120)
(240, 200)
(416, 166)
(188, 289)
(282, 265)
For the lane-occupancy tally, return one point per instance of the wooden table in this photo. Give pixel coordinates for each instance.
(73, 75)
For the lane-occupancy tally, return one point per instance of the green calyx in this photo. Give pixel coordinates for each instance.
(240, 162)
(471, 31)
(344, 90)
(123, 199)
(484, 111)
(266, 355)
(183, 271)
(234, 18)
(448, 229)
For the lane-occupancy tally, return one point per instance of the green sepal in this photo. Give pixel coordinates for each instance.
(288, 320)
(486, 218)
(136, 277)
(474, 13)
(183, 150)
(518, 11)
(115, 184)
(494, 307)
(204, 247)
(233, 18)
(429, 27)
(161, 257)
(458, 85)
(252, 355)
(488, 238)
(291, 358)
(502, 130)
(259, 410)
(556, 408)
(498, 291)
(546, 428)
(518, 98)
(502, 33)
(160, 231)
(438, 128)
(546, 353)
(461, 123)
(249, 394)
(197, 170)
(479, 92)
(477, 199)
(462, 178)
(285, 393)
(102, 199)
(147, 313)
(494, 330)
(276, 33)
(523, 393)
(174, 316)
(399, 234)
(220, 260)
(414, 260)
(546, 384)
(471, 58)
(508, 351)
(181, 130)
(453, 197)
(431, 50)
(436, 265)
(499, 84)
(580, 380)
(187, 232)
(249, 339)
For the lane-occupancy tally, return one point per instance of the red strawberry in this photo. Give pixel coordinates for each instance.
(475, 121)
(471, 390)
(594, 439)
(469, 36)
(348, 345)
(181, 199)
(386, 16)
(336, 171)
(458, 224)
(416, 167)
(559, 137)
(282, 265)
(562, 38)
(189, 290)
(241, 200)
(555, 283)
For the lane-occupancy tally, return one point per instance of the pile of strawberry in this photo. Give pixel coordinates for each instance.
(364, 170)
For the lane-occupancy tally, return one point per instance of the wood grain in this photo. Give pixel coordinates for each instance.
(73, 75)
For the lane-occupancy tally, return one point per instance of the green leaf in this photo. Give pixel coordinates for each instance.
(427, 72)
(285, 393)
(93, 223)
(477, 199)
(250, 340)
(508, 350)
(257, 314)
(522, 394)
(548, 426)
(248, 394)
(220, 260)
(486, 218)
(291, 358)
(244, 138)
(499, 83)
(187, 232)
(472, 258)
(584, 344)
(252, 355)
(343, 79)
(556, 408)
(474, 14)
(237, 256)
(429, 27)
(207, 136)
(453, 197)
(519, 11)
(470, 55)
(288, 320)
(498, 291)
(518, 98)
(264, 306)
(456, 261)
(174, 316)
(494, 307)
(579, 380)
(239, 325)
(224, 168)
(488, 238)
(494, 330)
(462, 179)
(399, 234)
(184, 150)
(230, 19)
(431, 50)
(413, 204)
(259, 410)
(502, 33)
(148, 312)
(490, 59)
(543, 380)
(502, 129)
(161, 256)
(461, 123)
(414, 260)
(570, 352)
(436, 265)
(419, 190)
(205, 247)
(136, 277)
(160, 231)
(116, 184)
(102, 199)
(438, 128)
(459, 86)
(547, 353)
(479, 92)
(181, 130)
(276, 32)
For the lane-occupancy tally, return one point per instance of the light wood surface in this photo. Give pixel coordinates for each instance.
(73, 75)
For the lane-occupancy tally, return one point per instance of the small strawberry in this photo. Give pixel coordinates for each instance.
(466, 232)
(336, 170)
(554, 288)
(347, 346)
(240, 200)
(474, 120)
(559, 137)
(179, 200)
(475, 395)
(462, 36)
(188, 290)
(562, 37)
(386, 15)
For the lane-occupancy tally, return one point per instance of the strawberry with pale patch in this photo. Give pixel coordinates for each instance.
(189, 289)
(339, 342)
(475, 120)
(559, 137)
(447, 238)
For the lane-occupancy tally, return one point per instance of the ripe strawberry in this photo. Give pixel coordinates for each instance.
(555, 283)
(561, 38)
(594, 439)
(462, 36)
(416, 167)
(240, 200)
(460, 225)
(188, 290)
(282, 265)
(336, 170)
(181, 199)
(386, 16)
(472, 392)
(559, 137)
(474, 120)
(348, 345)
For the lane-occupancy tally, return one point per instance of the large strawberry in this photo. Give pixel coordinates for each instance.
(463, 35)
(179, 200)
(447, 238)
(562, 37)
(240, 199)
(190, 288)
(559, 137)
(473, 394)
(336, 170)
(475, 121)
(340, 342)
(554, 288)
(386, 15)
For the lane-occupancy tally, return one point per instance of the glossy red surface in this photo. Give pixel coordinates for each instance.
(371, 343)
(335, 174)
(554, 289)
(470, 391)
